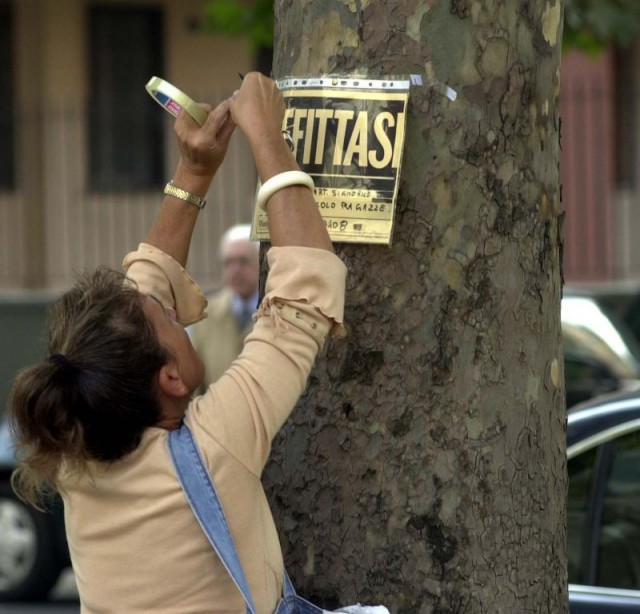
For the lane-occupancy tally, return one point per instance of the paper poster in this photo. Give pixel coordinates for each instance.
(348, 134)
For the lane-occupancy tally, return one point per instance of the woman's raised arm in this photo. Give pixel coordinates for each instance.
(294, 218)
(202, 151)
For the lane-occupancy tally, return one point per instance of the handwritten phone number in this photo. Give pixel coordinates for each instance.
(346, 206)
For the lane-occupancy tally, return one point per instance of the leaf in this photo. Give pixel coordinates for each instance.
(232, 17)
(225, 16)
(593, 25)
(589, 25)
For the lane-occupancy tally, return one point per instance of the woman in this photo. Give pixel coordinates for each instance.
(93, 419)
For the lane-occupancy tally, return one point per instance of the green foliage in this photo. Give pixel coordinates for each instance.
(236, 18)
(592, 25)
(589, 25)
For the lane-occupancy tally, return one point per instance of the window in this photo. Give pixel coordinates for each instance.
(125, 127)
(625, 121)
(581, 476)
(7, 162)
(603, 520)
(619, 545)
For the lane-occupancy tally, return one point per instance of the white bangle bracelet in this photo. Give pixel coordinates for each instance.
(279, 181)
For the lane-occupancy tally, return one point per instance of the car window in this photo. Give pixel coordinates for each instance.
(585, 377)
(23, 334)
(6, 445)
(619, 547)
(581, 477)
(603, 515)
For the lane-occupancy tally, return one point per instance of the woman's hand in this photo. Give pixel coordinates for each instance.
(258, 107)
(203, 148)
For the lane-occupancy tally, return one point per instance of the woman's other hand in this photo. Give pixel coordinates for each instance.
(258, 107)
(203, 148)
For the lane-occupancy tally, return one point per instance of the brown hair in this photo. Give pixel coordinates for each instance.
(96, 394)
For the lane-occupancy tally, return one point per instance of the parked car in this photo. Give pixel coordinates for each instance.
(601, 354)
(33, 545)
(33, 549)
(603, 511)
(619, 299)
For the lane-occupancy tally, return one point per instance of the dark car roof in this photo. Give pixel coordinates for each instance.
(601, 418)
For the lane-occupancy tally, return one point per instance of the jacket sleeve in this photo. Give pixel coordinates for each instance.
(158, 274)
(303, 304)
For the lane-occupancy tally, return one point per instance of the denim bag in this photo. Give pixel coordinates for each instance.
(203, 499)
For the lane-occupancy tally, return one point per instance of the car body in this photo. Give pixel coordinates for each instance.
(603, 511)
(33, 549)
(33, 545)
(601, 353)
(619, 299)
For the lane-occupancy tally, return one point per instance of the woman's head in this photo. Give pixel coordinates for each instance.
(95, 395)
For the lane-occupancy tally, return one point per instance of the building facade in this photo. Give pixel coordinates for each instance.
(600, 165)
(85, 150)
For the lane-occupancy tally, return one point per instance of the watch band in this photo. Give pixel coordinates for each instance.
(172, 190)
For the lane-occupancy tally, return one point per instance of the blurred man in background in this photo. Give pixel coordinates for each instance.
(218, 338)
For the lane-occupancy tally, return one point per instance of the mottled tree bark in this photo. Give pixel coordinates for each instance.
(425, 465)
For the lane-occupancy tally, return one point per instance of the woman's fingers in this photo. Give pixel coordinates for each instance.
(258, 102)
(219, 126)
(226, 130)
(203, 147)
(207, 108)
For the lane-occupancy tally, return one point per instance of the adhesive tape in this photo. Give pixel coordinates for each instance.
(173, 100)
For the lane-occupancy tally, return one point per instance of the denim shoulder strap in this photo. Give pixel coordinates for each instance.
(202, 497)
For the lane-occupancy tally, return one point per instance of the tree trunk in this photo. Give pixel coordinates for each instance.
(425, 466)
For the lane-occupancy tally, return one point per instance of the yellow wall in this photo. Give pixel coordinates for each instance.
(51, 226)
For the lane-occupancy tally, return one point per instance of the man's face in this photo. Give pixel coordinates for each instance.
(240, 269)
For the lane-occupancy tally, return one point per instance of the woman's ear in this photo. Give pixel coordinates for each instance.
(170, 381)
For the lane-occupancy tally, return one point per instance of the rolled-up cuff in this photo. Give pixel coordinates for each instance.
(159, 275)
(308, 275)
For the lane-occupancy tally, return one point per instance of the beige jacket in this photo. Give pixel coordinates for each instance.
(135, 544)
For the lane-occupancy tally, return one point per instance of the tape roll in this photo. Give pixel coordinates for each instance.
(173, 100)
